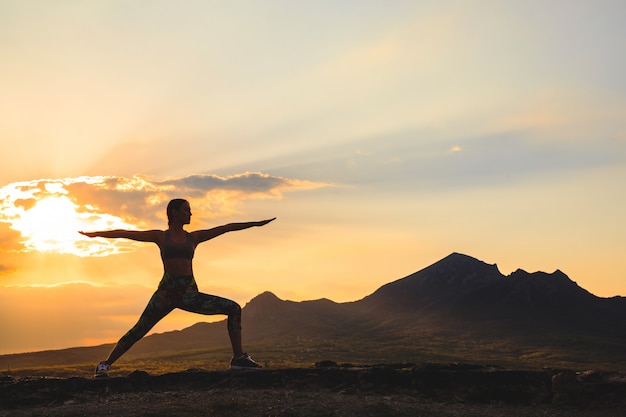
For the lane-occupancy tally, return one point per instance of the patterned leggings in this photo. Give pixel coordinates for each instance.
(181, 292)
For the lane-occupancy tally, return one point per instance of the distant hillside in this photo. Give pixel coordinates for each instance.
(457, 309)
(462, 288)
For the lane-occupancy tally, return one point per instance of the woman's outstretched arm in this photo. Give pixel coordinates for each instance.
(139, 235)
(207, 234)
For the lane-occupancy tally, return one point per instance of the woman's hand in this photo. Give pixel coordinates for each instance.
(264, 222)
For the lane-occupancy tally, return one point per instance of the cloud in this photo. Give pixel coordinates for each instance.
(9, 238)
(5, 270)
(428, 162)
(248, 185)
(47, 213)
(213, 196)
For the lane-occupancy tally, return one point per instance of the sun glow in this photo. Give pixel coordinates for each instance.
(52, 225)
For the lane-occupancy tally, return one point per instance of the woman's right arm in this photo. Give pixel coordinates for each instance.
(138, 235)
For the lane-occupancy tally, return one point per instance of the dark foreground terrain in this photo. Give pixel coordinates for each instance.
(324, 390)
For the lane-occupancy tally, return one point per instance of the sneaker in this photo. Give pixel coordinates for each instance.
(102, 370)
(244, 362)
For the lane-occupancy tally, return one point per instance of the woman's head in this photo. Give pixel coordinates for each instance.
(175, 205)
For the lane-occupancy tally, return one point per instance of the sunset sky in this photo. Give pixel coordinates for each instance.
(383, 135)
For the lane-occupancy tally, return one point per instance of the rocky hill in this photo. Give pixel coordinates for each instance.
(460, 286)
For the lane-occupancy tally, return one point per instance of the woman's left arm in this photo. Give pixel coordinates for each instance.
(200, 236)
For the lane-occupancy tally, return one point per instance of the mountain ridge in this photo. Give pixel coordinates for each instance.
(448, 310)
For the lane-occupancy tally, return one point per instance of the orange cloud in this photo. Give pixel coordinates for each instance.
(48, 213)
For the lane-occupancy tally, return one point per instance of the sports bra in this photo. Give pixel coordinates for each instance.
(175, 250)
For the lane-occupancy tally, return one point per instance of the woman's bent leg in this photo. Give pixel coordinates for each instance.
(201, 303)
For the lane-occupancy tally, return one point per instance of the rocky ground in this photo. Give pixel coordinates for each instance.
(326, 390)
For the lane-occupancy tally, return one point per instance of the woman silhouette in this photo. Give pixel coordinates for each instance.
(178, 288)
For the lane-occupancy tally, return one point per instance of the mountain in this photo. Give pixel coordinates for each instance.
(437, 288)
(461, 287)
(459, 308)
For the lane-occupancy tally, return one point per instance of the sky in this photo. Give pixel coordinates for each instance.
(382, 135)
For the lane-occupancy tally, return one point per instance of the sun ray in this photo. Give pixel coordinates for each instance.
(52, 225)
